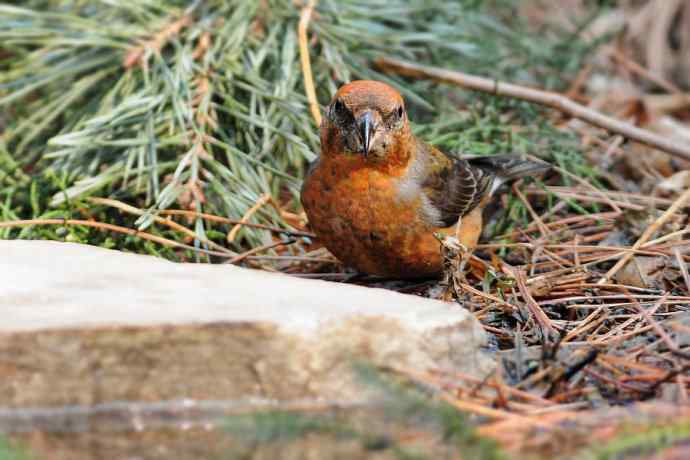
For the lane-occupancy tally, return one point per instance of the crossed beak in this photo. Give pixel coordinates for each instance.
(366, 126)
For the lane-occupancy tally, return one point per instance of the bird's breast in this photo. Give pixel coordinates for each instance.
(364, 220)
(364, 199)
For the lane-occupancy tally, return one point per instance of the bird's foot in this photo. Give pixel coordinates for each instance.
(456, 256)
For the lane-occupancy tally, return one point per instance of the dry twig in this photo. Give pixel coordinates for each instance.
(225, 220)
(677, 205)
(138, 55)
(304, 19)
(263, 199)
(167, 222)
(265, 247)
(112, 228)
(545, 98)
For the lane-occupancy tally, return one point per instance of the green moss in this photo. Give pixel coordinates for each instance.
(400, 407)
(640, 442)
(8, 451)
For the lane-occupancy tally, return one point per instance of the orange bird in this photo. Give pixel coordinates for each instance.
(377, 194)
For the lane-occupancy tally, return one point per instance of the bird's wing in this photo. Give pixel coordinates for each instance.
(451, 187)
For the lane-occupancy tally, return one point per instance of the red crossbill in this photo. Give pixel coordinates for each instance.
(376, 195)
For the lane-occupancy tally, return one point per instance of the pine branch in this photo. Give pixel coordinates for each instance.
(202, 107)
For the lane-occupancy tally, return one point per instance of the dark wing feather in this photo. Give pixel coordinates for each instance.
(508, 166)
(453, 187)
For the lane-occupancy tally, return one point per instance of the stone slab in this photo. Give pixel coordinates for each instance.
(82, 326)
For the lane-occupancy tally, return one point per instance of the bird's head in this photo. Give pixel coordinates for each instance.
(366, 118)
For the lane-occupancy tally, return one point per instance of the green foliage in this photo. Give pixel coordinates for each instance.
(400, 405)
(408, 403)
(283, 426)
(166, 103)
(639, 443)
(8, 452)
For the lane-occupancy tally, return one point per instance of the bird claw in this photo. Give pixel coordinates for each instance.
(451, 242)
(456, 257)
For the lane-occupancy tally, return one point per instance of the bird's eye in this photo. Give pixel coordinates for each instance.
(400, 111)
(339, 113)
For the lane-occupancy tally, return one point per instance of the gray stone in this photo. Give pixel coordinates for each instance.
(84, 326)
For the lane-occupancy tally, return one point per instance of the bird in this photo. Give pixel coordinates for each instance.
(378, 197)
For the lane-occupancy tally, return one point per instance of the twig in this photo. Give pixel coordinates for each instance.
(138, 54)
(580, 80)
(571, 371)
(595, 190)
(112, 228)
(506, 306)
(587, 324)
(304, 19)
(578, 247)
(672, 346)
(677, 372)
(494, 414)
(646, 200)
(628, 322)
(469, 406)
(545, 98)
(683, 267)
(538, 314)
(576, 253)
(263, 199)
(265, 247)
(225, 220)
(663, 239)
(581, 196)
(545, 232)
(616, 383)
(679, 203)
(502, 387)
(580, 219)
(614, 147)
(168, 222)
(638, 69)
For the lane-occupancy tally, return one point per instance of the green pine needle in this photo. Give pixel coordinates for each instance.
(200, 104)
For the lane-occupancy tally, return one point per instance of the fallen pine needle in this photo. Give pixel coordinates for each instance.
(112, 228)
(263, 199)
(656, 225)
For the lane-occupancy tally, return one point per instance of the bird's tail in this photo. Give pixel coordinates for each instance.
(508, 167)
